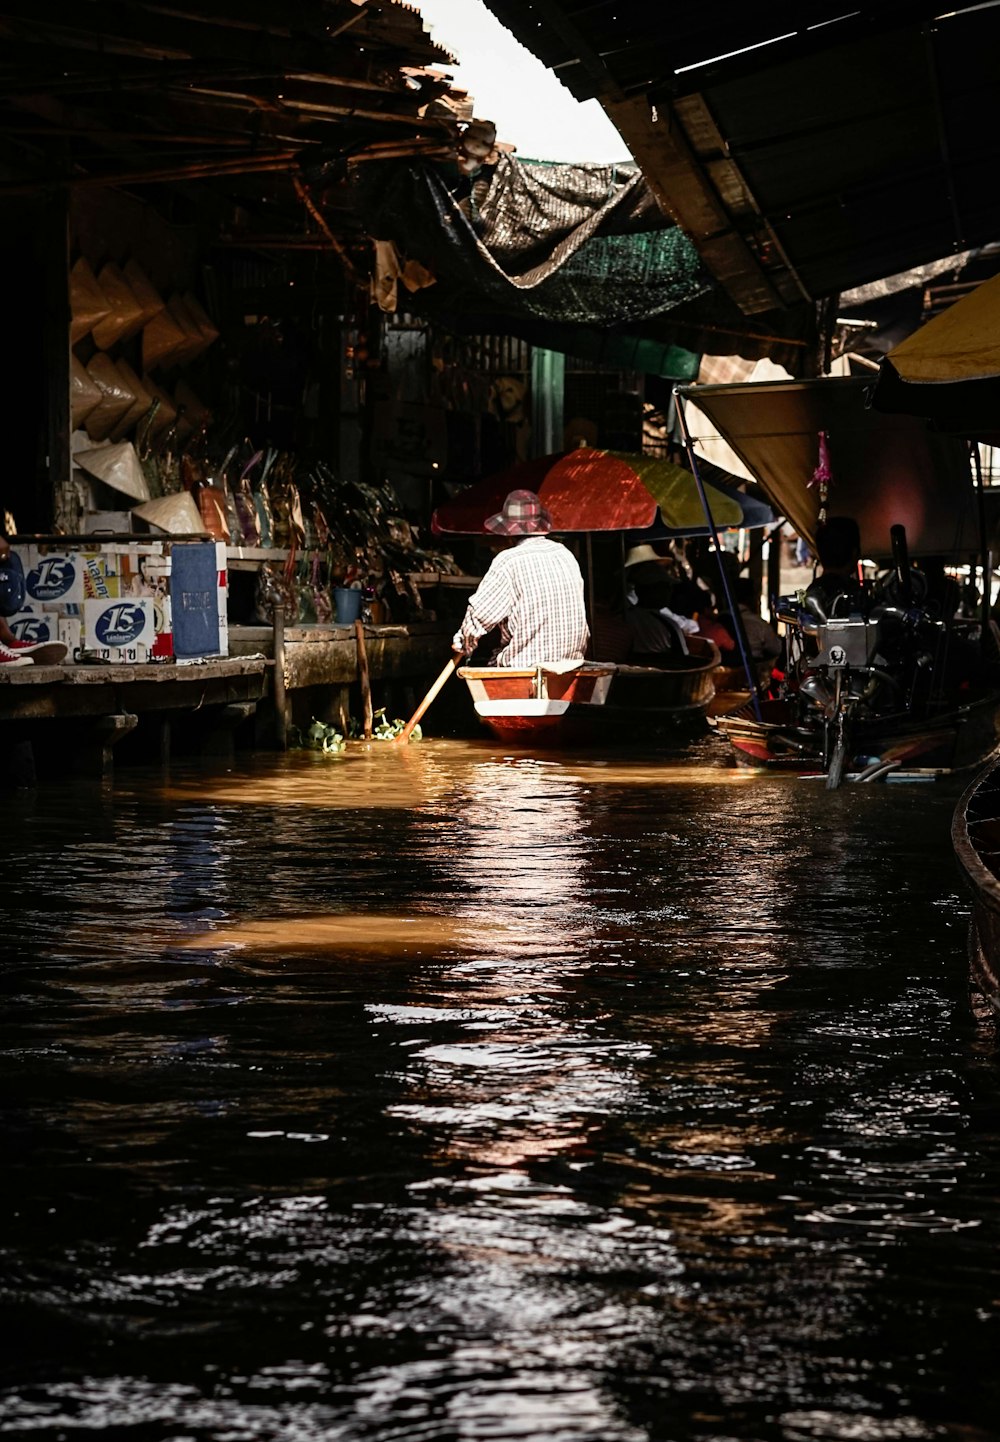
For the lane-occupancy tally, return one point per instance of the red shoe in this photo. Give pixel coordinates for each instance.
(10, 657)
(42, 653)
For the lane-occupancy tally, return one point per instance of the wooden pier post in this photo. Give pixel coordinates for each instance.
(278, 689)
(364, 679)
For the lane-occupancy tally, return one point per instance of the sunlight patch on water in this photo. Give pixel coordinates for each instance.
(388, 935)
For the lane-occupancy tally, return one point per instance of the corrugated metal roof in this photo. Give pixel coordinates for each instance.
(258, 98)
(803, 159)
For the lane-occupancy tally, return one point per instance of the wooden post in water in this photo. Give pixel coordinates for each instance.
(364, 678)
(278, 687)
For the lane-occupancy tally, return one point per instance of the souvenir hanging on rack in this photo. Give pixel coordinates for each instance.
(193, 341)
(116, 466)
(197, 312)
(87, 301)
(192, 414)
(176, 514)
(262, 502)
(322, 604)
(306, 607)
(84, 393)
(822, 477)
(146, 294)
(246, 508)
(166, 412)
(162, 341)
(140, 408)
(124, 317)
(116, 398)
(148, 458)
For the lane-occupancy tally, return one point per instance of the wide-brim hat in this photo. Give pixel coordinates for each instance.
(523, 515)
(645, 552)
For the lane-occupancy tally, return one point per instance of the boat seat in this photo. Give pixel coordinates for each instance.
(562, 668)
(483, 673)
(549, 668)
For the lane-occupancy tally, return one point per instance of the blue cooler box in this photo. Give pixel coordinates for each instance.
(198, 599)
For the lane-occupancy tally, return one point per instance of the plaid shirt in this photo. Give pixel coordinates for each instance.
(534, 593)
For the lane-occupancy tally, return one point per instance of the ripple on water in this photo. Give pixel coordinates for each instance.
(440, 1095)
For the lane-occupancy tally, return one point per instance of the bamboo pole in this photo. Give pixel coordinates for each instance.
(364, 678)
(407, 731)
(336, 243)
(741, 637)
(203, 171)
(278, 688)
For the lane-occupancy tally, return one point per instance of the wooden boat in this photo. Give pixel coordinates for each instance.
(731, 690)
(890, 684)
(572, 703)
(975, 835)
(783, 740)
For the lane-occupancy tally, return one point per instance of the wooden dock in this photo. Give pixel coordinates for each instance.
(71, 717)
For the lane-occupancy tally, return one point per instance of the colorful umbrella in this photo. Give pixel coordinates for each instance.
(591, 490)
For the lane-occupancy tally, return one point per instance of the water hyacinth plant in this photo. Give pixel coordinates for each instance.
(318, 737)
(382, 728)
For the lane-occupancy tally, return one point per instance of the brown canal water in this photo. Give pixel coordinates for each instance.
(438, 1095)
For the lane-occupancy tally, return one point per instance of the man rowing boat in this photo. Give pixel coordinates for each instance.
(533, 591)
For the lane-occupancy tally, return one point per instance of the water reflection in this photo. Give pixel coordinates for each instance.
(444, 1095)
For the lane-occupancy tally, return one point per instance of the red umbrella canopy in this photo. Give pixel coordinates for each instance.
(588, 490)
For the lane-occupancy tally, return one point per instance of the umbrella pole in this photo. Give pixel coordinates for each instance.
(741, 639)
(985, 557)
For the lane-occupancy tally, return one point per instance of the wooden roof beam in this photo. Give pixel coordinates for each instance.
(685, 193)
(203, 170)
(125, 30)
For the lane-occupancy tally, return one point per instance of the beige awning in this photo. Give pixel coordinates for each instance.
(886, 469)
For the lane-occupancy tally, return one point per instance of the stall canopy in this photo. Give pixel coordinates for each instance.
(577, 258)
(885, 469)
(594, 490)
(806, 149)
(949, 370)
(267, 105)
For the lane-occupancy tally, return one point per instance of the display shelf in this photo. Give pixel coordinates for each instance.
(248, 558)
(444, 578)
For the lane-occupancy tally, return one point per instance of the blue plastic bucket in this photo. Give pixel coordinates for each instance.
(347, 604)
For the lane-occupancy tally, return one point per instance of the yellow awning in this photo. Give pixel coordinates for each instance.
(960, 344)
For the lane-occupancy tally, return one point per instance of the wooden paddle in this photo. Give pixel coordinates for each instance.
(453, 663)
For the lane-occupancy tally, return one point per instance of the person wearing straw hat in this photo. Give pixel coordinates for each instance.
(533, 591)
